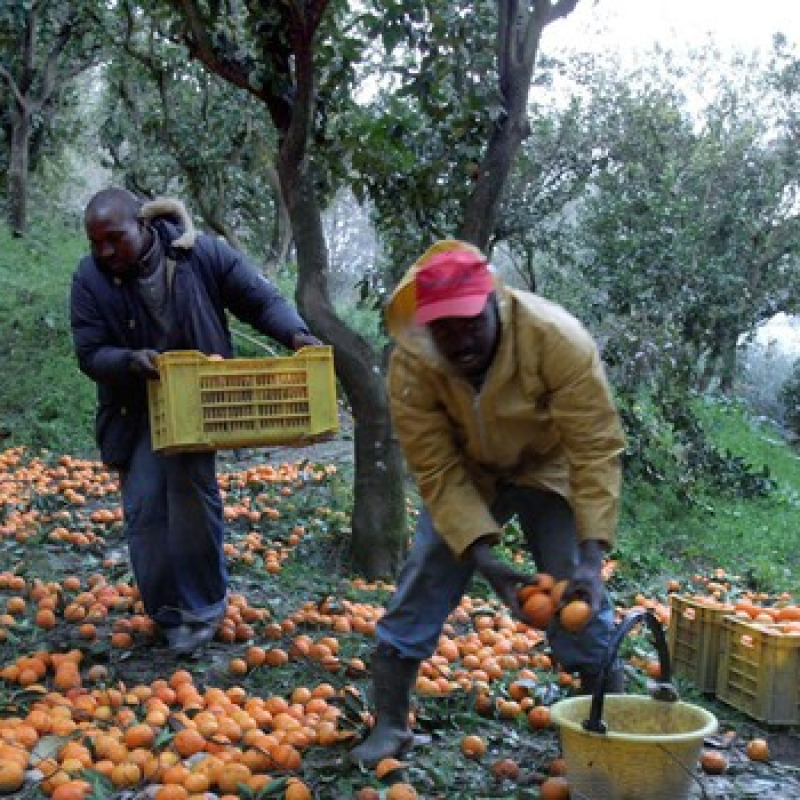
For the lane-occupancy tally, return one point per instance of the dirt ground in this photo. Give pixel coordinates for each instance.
(777, 779)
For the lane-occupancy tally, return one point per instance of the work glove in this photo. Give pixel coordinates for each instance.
(501, 576)
(143, 363)
(586, 582)
(303, 339)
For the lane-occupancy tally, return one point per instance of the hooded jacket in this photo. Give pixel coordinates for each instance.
(109, 319)
(544, 416)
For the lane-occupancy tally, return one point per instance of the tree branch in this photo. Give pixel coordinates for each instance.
(12, 85)
(200, 46)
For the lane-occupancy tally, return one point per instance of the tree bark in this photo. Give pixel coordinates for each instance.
(519, 31)
(282, 228)
(18, 173)
(379, 534)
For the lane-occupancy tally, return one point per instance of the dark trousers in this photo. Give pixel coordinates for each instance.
(175, 530)
(433, 580)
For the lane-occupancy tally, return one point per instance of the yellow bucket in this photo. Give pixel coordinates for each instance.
(650, 751)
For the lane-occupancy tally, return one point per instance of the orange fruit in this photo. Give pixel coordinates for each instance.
(12, 776)
(554, 789)
(230, 776)
(367, 793)
(125, 775)
(713, 762)
(188, 742)
(71, 790)
(401, 791)
(558, 766)
(544, 582)
(757, 750)
(197, 783)
(174, 773)
(575, 615)
(538, 609)
(237, 666)
(139, 735)
(255, 656)
(15, 605)
(171, 791)
(557, 592)
(45, 618)
(297, 790)
(539, 717)
(387, 765)
(276, 657)
(473, 746)
(506, 769)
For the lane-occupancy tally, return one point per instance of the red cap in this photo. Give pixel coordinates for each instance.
(454, 283)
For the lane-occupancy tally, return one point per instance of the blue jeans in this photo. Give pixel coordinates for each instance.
(433, 580)
(175, 531)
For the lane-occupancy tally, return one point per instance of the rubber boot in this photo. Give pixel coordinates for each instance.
(614, 684)
(393, 678)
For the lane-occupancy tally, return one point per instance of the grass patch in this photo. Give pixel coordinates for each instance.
(46, 402)
(757, 538)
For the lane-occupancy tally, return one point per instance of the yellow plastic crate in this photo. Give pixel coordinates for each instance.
(202, 403)
(693, 636)
(759, 671)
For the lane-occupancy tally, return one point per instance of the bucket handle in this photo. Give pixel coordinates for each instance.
(660, 690)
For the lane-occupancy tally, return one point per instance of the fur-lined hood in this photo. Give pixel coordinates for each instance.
(175, 211)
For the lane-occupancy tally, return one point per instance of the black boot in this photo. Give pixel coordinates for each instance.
(614, 683)
(393, 678)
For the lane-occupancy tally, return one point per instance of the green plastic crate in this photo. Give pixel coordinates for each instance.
(693, 636)
(204, 403)
(759, 671)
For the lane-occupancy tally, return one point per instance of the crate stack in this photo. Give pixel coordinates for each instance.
(750, 662)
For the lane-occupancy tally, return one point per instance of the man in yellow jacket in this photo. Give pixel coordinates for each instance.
(503, 409)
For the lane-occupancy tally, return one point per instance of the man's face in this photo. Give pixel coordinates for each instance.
(117, 240)
(468, 344)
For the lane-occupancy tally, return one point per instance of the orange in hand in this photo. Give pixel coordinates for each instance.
(574, 615)
(538, 607)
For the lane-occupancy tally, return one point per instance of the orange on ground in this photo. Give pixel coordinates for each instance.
(71, 790)
(387, 765)
(713, 762)
(554, 789)
(140, 735)
(757, 750)
(230, 776)
(171, 791)
(297, 790)
(188, 742)
(401, 791)
(539, 717)
(506, 769)
(473, 746)
(12, 776)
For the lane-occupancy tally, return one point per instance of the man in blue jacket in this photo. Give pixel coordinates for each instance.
(151, 284)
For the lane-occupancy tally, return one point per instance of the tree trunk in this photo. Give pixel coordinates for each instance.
(480, 213)
(18, 171)
(728, 351)
(519, 31)
(379, 535)
(282, 228)
(208, 211)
